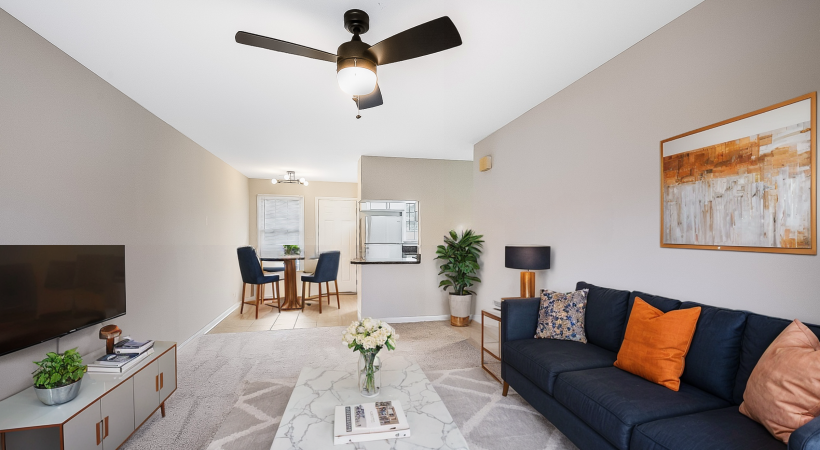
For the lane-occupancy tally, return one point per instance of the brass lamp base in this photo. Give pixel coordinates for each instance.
(527, 284)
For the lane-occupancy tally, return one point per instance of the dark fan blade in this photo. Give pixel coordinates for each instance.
(370, 100)
(256, 40)
(427, 38)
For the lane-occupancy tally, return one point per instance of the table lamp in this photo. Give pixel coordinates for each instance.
(527, 258)
(109, 332)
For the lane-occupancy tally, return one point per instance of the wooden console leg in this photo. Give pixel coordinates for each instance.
(2, 441)
(505, 389)
(162, 408)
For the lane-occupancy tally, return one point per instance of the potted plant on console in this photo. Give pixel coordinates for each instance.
(58, 377)
(460, 255)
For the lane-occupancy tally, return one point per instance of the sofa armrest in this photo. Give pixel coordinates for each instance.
(519, 318)
(806, 437)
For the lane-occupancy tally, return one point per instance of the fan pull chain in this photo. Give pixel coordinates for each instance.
(358, 99)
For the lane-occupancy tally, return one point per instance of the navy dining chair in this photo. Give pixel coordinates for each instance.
(327, 270)
(252, 273)
(274, 269)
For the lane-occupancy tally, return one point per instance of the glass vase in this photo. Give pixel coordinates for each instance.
(370, 381)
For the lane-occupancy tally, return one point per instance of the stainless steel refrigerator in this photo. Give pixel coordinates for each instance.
(382, 237)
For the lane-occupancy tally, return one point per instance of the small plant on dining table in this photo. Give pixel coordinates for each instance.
(292, 249)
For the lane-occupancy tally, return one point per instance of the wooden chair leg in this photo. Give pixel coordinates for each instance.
(303, 296)
(320, 298)
(308, 289)
(242, 305)
(278, 295)
(327, 285)
(338, 302)
(505, 389)
(261, 298)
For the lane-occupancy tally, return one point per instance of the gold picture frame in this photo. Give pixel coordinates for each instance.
(744, 184)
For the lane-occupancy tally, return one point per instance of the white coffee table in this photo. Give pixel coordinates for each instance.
(307, 422)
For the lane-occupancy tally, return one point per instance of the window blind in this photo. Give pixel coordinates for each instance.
(282, 224)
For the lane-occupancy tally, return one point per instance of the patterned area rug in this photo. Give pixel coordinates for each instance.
(233, 389)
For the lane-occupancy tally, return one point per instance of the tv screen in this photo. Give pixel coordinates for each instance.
(47, 291)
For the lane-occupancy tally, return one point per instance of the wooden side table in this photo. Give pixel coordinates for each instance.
(491, 346)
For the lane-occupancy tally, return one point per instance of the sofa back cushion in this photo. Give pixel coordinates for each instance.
(662, 303)
(605, 316)
(714, 355)
(759, 333)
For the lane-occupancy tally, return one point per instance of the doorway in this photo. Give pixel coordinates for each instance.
(336, 230)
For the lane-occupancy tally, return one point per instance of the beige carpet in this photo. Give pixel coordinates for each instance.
(233, 389)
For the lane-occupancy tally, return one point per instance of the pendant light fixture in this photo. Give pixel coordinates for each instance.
(290, 178)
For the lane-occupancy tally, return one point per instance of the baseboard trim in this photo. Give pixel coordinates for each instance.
(210, 325)
(415, 319)
(473, 317)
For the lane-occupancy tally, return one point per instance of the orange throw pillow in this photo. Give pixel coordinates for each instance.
(656, 344)
(783, 392)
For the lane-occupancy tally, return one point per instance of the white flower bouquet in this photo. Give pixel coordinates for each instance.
(368, 337)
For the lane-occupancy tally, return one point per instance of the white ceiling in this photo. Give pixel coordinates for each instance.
(265, 112)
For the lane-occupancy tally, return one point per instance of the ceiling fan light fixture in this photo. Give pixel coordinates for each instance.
(356, 76)
(273, 181)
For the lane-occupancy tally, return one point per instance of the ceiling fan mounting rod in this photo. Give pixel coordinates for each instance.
(357, 21)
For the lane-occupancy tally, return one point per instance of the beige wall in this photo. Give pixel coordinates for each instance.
(580, 171)
(443, 190)
(81, 163)
(310, 192)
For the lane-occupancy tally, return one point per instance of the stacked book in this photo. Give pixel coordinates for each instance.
(370, 422)
(127, 353)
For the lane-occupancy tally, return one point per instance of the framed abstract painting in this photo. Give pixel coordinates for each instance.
(744, 184)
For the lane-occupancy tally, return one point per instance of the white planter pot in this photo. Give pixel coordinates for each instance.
(460, 307)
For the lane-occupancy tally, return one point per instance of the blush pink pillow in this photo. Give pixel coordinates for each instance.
(783, 392)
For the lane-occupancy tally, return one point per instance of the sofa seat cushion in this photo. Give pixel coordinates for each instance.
(613, 402)
(721, 429)
(541, 360)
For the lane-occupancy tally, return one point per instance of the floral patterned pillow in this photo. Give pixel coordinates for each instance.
(561, 315)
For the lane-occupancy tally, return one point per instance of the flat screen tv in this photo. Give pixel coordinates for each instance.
(48, 291)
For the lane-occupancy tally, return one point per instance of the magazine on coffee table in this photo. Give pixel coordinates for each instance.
(370, 422)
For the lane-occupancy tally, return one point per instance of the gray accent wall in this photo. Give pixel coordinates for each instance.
(81, 163)
(442, 188)
(580, 171)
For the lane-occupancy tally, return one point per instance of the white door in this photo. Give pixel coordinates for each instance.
(336, 230)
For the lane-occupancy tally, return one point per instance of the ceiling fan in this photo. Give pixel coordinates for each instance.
(356, 61)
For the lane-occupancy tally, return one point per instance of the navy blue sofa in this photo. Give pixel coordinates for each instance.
(598, 406)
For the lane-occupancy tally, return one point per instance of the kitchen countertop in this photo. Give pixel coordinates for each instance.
(406, 260)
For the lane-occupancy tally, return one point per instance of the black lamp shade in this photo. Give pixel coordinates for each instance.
(527, 257)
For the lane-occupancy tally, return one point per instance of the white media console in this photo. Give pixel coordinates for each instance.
(107, 411)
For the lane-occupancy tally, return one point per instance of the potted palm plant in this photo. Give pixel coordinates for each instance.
(460, 255)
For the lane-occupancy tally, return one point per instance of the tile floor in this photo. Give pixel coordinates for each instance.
(271, 319)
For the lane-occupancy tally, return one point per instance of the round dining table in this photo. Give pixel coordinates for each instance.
(291, 300)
